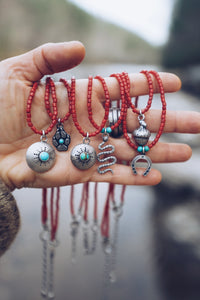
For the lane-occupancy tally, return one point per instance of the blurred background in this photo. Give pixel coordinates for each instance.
(155, 252)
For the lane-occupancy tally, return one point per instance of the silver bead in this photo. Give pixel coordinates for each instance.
(40, 157)
(141, 135)
(113, 117)
(83, 156)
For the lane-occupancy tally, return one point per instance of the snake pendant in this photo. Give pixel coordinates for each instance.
(111, 160)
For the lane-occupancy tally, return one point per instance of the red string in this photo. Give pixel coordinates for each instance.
(86, 196)
(95, 201)
(105, 220)
(72, 201)
(54, 215)
(123, 193)
(44, 214)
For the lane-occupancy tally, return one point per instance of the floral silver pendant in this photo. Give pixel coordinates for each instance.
(61, 138)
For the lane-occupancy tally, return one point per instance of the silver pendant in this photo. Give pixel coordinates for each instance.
(83, 156)
(113, 117)
(141, 135)
(40, 157)
(143, 158)
(111, 159)
(61, 138)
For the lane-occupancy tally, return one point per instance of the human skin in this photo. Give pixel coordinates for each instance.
(17, 75)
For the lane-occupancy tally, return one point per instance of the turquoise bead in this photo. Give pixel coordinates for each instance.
(103, 130)
(108, 130)
(84, 156)
(146, 148)
(140, 149)
(44, 156)
(61, 141)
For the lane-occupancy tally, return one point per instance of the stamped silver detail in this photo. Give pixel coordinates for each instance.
(40, 157)
(113, 117)
(141, 135)
(83, 156)
(143, 158)
(61, 138)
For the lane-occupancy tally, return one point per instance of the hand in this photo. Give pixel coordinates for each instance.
(17, 75)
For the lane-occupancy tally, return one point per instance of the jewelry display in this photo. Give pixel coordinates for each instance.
(40, 156)
(141, 135)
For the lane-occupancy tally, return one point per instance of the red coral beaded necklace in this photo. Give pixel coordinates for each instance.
(61, 138)
(40, 156)
(83, 156)
(141, 135)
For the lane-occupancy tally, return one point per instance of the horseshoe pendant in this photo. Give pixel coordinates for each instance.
(141, 157)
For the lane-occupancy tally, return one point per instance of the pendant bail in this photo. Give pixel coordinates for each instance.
(86, 140)
(43, 137)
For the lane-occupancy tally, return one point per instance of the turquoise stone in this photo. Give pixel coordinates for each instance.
(103, 130)
(108, 130)
(84, 156)
(140, 149)
(146, 148)
(44, 156)
(61, 141)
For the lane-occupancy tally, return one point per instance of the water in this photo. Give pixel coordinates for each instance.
(135, 262)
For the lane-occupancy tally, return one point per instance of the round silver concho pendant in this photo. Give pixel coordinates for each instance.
(83, 156)
(40, 157)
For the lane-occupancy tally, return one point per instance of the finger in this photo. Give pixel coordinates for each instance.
(47, 59)
(161, 153)
(124, 175)
(138, 85)
(176, 121)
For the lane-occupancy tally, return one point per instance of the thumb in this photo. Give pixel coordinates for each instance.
(45, 60)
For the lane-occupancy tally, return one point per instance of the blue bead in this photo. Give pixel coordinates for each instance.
(108, 130)
(84, 156)
(61, 141)
(103, 130)
(140, 149)
(146, 148)
(44, 156)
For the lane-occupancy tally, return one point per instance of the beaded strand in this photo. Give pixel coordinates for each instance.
(74, 114)
(51, 83)
(163, 114)
(46, 98)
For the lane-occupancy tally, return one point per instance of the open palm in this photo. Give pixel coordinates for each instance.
(17, 75)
